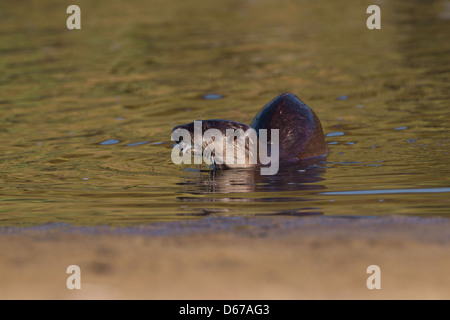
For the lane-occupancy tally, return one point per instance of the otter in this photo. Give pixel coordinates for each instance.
(300, 134)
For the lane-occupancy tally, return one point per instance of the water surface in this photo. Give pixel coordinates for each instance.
(86, 115)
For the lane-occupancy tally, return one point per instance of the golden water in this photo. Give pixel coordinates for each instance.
(138, 68)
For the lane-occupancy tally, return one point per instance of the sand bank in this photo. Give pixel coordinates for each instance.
(231, 258)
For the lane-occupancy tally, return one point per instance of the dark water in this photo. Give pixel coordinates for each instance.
(86, 115)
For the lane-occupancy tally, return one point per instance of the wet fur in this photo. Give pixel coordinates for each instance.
(300, 131)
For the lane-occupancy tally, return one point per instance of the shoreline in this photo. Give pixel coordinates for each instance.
(319, 257)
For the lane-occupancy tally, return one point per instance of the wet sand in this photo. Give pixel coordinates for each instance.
(231, 258)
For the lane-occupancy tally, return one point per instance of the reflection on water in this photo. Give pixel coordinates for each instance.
(389, 191)
(293, 178)
(86, 116)
(248, 185)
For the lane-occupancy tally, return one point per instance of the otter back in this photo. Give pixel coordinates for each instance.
(300, 131)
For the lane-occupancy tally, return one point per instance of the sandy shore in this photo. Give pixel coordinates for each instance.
(231, 258)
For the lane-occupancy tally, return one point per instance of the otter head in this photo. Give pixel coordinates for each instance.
(218, 141)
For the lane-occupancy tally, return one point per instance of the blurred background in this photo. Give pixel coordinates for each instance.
(86, 115)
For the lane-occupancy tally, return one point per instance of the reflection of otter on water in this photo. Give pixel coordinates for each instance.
(300, 135)
(300, 177)
(212, 189)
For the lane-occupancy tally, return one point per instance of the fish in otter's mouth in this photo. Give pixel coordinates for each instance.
(219, 142)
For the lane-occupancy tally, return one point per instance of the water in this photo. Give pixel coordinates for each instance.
(86, 115)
